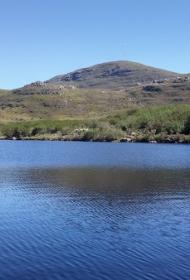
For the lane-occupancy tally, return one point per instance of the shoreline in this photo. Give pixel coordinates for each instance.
(42, 138)
(159, 124)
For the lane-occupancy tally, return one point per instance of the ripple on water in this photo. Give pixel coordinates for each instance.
(95, 222)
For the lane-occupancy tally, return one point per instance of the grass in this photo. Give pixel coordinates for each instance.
(53, 102)
(169, 123)
(169, 119)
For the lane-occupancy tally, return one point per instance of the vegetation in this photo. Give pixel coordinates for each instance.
(116, 101)
(169, 123)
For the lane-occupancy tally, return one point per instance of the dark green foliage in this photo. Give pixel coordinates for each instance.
(161, 123)
(11, 132)
(151, 88)
(187, 126)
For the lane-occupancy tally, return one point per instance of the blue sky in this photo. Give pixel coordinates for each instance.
(43, 38)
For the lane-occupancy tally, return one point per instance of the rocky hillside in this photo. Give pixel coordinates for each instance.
(95, 92)
(121, 101)
(113, 75)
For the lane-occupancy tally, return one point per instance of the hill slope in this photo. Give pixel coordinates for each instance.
(112, 75)
(106, 102)
(126, 85)
(51, 101)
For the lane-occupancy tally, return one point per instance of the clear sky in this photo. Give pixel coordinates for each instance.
(43, 38)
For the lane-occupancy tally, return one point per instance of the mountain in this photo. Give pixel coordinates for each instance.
(94, 92)
(123, 101)
(112, 75)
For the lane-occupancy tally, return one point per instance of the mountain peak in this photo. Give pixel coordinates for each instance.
(112, 75)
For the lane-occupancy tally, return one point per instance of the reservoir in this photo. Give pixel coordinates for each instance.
(90, 211)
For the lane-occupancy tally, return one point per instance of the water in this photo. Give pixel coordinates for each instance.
(94, 211)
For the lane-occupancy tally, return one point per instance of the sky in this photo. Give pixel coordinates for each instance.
(42, 38)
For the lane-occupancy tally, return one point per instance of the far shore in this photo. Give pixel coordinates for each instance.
(168, 140)
(157, 124)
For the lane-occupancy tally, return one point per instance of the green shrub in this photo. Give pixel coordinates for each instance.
(187, 126)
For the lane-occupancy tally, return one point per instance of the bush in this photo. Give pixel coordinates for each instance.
(11, 132)
(151, 88)
(187, 126)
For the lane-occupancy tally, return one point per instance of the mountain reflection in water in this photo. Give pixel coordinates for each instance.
(109, 221)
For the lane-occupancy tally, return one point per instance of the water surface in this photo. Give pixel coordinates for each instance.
(94, 211)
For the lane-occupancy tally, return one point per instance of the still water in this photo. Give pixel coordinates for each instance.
(94, 211)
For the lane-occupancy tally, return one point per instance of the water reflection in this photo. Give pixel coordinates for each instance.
(110, 181)
(95, 222)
